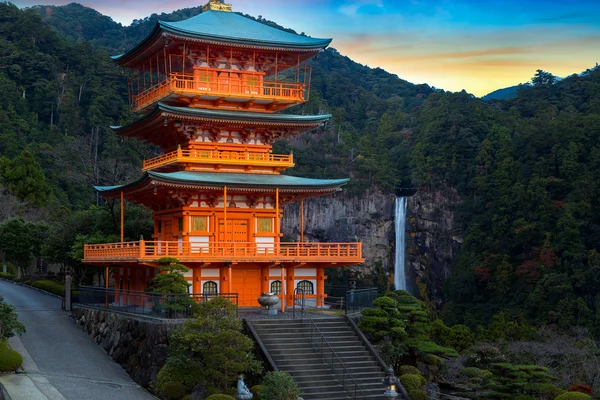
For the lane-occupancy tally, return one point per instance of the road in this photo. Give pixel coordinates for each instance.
(64, 354)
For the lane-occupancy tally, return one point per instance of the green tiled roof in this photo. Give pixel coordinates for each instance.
(228, 116)
(216, 179)
(230, 27)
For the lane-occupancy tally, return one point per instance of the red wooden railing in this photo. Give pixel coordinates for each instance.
(153, 250)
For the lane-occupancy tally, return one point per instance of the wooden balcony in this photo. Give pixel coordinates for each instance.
(243, 93)
(152, 251)
(221, 157)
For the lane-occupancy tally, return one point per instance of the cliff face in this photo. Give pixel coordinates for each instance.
(433, 239)
(340, 218)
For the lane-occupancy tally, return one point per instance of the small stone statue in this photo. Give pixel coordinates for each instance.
(243, 391)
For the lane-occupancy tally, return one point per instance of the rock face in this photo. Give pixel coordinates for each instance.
(341, 218)
(434, 239)
(140, 346)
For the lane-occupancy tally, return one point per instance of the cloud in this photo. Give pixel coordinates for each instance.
(351, 9)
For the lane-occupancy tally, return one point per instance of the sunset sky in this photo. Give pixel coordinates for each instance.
(476, 45)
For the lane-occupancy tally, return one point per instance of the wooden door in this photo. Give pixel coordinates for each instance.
(246, 283)
(236, 231)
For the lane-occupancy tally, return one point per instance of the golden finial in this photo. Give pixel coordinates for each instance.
(216, 5)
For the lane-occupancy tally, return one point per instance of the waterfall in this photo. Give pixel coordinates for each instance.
(399, 268)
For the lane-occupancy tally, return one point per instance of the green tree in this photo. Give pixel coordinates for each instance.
(212, 342)
(24, 177)
(9, 324)
(170, 280)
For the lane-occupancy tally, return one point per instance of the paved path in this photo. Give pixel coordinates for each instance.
(63, 354)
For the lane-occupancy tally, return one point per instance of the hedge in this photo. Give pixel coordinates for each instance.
(573, 396)
(6, 275)
(50, 286)
(10, 360)
(416, 394)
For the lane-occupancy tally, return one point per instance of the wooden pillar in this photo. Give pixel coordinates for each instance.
(229, 284)
(122, 217)
(301, 220)
(197, 280)
(282, 288)
(289, 284)
(106, 286)
(224, 214)
(277, 221)
(320, 286)
(265, 272)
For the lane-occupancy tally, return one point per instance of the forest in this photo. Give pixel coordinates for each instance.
(527, 169)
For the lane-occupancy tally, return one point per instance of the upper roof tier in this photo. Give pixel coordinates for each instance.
(223, 27)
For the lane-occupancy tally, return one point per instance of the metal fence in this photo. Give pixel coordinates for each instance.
(358, 299)
(158, 305)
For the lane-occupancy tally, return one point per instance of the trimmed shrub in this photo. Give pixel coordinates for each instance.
(555, 392)
(431, 359)
(50, 286)
(220, 397)
(27, 282)
(573, 396)
(257, 390)
(473, 372)
(10, 360)
(6, 275)
(409, 369)
(417, 395)
(189, 377)
(412, 381)
(279, 386)
(173, 390)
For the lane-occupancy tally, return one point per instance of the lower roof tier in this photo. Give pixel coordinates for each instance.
(167, 126)
(157, 190)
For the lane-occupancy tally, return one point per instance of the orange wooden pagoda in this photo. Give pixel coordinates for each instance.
(208, 89)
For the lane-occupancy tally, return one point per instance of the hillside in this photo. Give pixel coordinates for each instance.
(505, 93)
(526, 170)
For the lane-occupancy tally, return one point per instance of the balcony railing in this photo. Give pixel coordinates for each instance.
(177, 83)
(349, 253)
(220, 157)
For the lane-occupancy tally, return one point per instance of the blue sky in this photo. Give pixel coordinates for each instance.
(474, 45)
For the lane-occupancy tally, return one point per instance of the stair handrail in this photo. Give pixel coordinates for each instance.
(333, 353)
(299, 292)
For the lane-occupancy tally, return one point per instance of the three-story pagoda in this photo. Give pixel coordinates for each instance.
(207, 90)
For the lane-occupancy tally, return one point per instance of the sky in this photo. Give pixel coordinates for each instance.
(475, 45)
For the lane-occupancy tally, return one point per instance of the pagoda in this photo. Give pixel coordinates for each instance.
(207, 91)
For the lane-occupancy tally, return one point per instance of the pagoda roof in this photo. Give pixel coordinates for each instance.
(156, 117)
(218, 180)
(221, 27)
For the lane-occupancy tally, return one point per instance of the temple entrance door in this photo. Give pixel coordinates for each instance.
(236, 231)
(246, 283)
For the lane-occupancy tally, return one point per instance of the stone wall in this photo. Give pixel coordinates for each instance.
(138, 344)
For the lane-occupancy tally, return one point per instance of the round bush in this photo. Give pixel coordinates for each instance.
(431, 359)
(27, 282)
(417, 395)
(189, 377)
(220, 397)
(573, 396)
(409, 369)
(173, 390)
(412, 382)
(257, 390)
(10, 360)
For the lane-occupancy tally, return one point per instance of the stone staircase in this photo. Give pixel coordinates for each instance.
(289, 344)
